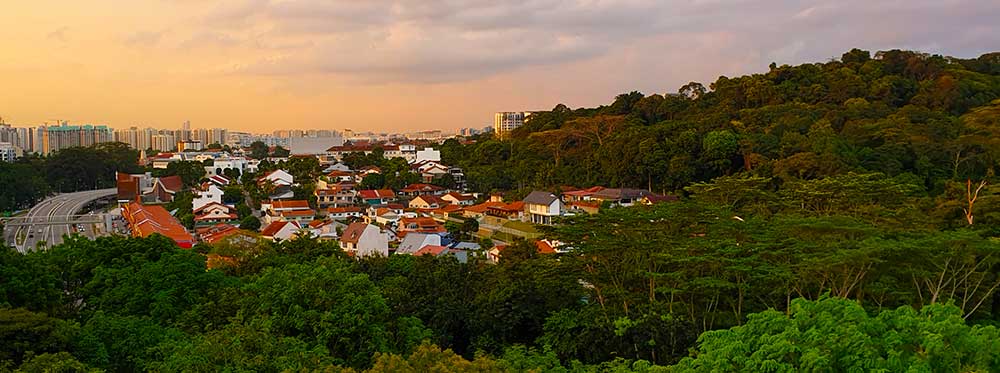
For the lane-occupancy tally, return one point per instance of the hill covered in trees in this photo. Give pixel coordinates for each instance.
(928, 118)
(833, 218)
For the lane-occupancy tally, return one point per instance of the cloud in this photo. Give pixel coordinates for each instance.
(431, 41)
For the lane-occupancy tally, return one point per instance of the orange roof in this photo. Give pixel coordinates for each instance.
(544, 247)
(271, 229)
(431, 250)
(460, 197)
(297, 213)
(353, 232)
(335, 210)
(421, 188)
(379, 193)
(172, 183)
(481, 208)
(448, 209)
(148, 220)
(291, 204)
(219, 231)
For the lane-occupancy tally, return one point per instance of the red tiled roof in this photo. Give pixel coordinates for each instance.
(584, 192)
(337, 210)
(460, 197)
(290, 204)
(544, 247)
(148, 220)
(210, 204)
(172, 183)
(271, 229)
(432, 199)
(421, 188)
(482, 207)
(376, 193)
(431, 250)
(297, 213)
(353, 232)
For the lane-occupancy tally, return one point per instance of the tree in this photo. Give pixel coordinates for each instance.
(372, 181)
(280, 152)
(324, 303)
(191, 172)
(250, 223)
(933, 339)
(259, 150)
(23, 333)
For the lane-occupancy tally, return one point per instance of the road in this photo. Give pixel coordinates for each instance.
(60, 208)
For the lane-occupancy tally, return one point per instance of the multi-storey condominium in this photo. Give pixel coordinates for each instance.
(19, 137)
(507, 121)
(8, 152)
(53, 138)
(164, 142)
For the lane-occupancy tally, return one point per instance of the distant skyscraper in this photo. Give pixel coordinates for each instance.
(54, 138)
(8, 152)
(504, 122)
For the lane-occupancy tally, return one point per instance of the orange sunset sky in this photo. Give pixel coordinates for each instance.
(260, 65)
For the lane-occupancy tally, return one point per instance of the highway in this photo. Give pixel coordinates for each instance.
(60, 208)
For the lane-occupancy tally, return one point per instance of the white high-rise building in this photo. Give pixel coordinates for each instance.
(8, 152)
(504, 122)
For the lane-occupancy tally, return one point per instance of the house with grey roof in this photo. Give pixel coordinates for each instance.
(540, 207)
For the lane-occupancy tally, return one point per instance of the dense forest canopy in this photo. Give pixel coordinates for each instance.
(928, 117)
(832, 219)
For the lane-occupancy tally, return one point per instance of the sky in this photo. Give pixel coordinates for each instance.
(407, 65)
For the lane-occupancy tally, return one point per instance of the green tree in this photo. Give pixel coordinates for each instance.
(839, 335)
(259, 150)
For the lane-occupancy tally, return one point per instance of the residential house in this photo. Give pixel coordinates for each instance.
(429, 170)
(339, 166)
(542, 207)
(132, 187)
(421, 189)
(288, 210)
(227, 234)
(459, 199)
(146, 220)
(365, 171)
(277, 178)
(214, 213)
(429, 201)
(335, 195)
(280, 230)
(436, 250)
(210, 193)
(219, 180)
(621, 197)
(416, 241)
(280, 183)
(447, 211)
(325, 229)
(165, 188)
(377, 196)
(361, 239)
(581, 194)
(339, 176)
(419, 225)
(478, 211)
(508, 211)
(344, 213)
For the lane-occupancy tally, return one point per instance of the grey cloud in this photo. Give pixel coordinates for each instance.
(447, 40)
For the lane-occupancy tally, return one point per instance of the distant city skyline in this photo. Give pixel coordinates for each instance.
(259, 65)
